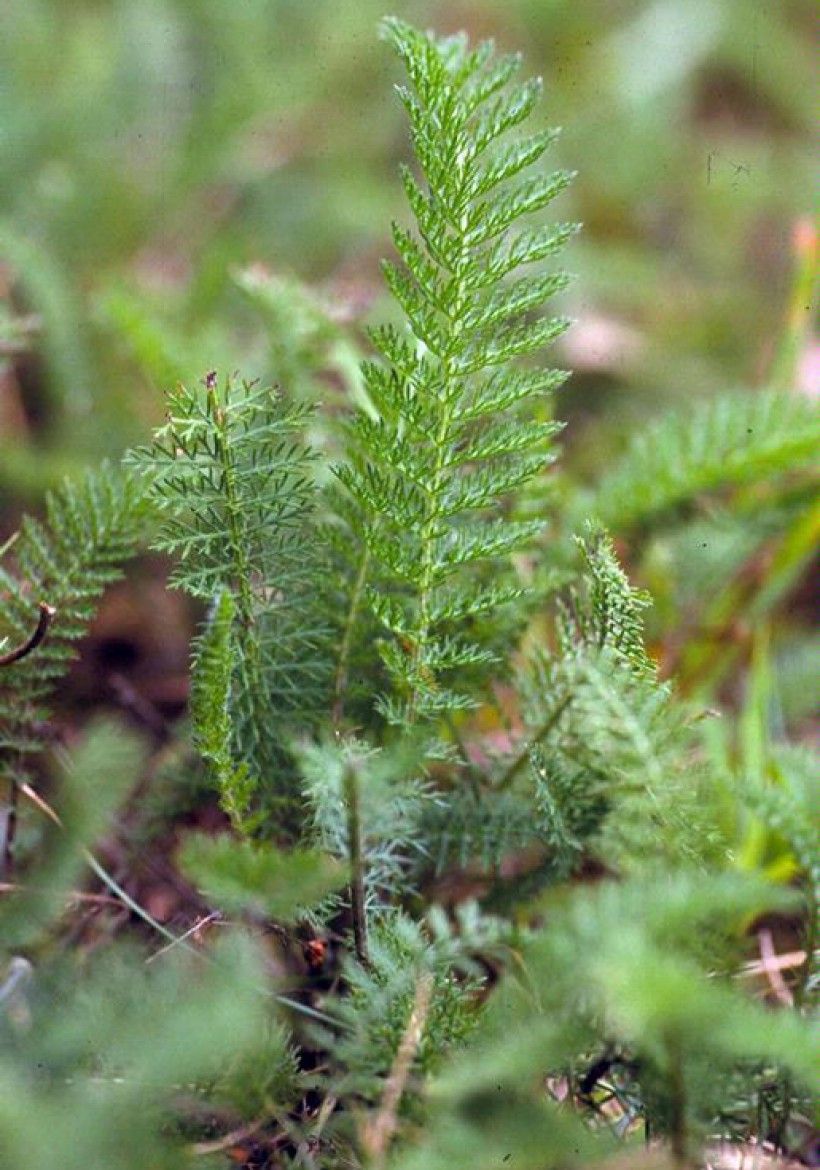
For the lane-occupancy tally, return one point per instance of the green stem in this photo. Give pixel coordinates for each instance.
(447, 404)
(518, 761)
(248, 657)
(236, 536)
(427, 535)
(133, 906)
(354, 845)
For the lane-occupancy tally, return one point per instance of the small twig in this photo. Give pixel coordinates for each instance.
(71, 895)
(11, 820)
(7, 544)
(38, 802)
(328, 1105)
(308, 1146)
(123, 898)
(101, 873)
(378, 1133)
(771, 968)
(200, 922)
(202, 1149)
(133, 906)
(45, 619)
(786, 962)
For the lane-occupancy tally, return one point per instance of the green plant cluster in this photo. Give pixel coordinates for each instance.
(487, 880)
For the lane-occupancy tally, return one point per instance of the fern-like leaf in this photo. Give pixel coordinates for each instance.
(392, 803)
(449, 441)
(611, 751)
(212, 678)
(615, 606)
(732, 440)
(231, 479)
(90, 529)
(374, 1014)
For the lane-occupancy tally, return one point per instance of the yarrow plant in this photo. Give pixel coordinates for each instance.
(457, 424)
(418, 771)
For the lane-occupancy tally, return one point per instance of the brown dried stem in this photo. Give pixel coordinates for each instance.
(47, 613)
(378, 1132)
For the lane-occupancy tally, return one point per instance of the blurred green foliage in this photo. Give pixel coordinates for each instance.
(151, 150)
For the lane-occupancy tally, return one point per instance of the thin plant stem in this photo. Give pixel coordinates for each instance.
(234, 1138)
(678, 1125)
(378, 1133)
(518, 761)
(354, 839)
(434, 489)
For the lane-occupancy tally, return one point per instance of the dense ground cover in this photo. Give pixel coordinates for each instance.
(480, 830)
